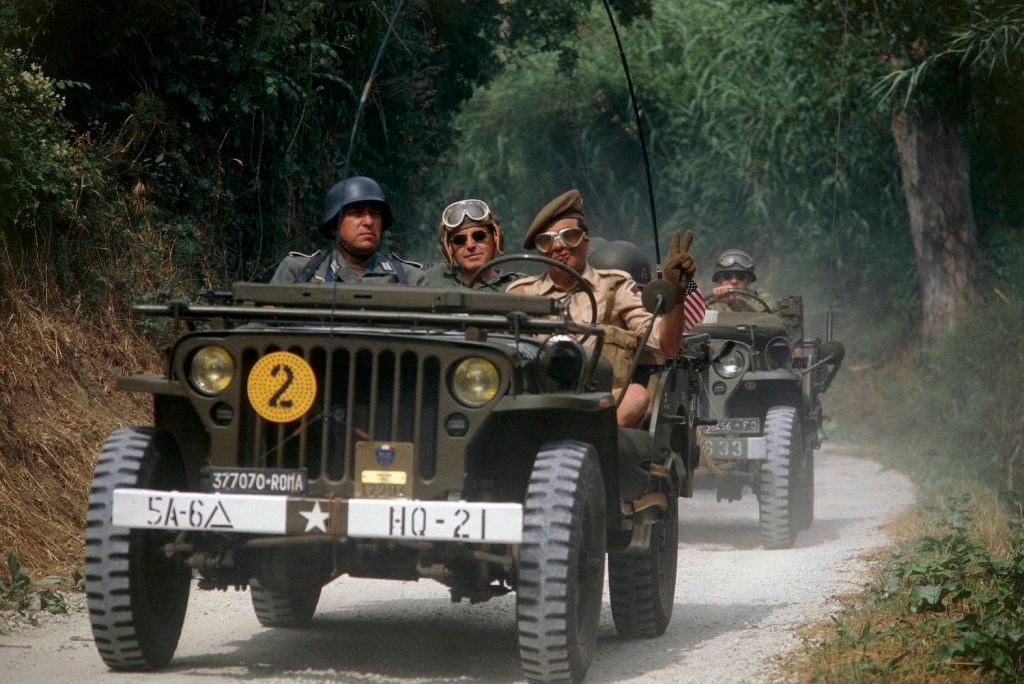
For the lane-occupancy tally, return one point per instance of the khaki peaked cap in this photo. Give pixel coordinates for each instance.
(567, 205)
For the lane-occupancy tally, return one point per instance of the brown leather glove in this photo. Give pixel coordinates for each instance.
(680, 266)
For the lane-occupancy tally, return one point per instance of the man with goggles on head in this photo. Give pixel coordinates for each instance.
(355, 218)
(470, 236)
(734, 270)
(560, 232)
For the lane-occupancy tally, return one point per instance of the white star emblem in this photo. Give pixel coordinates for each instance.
(315, 519)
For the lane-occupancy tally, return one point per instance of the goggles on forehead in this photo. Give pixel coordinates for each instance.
(478, 236)
(457, 213)
(570, 237)
(730, 259)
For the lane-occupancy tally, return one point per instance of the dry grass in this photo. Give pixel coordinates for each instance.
(57, 405)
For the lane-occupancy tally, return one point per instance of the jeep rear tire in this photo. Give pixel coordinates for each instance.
(643, 585)
(776, 485)
(280, 609)
(137, 595)
(561, 563)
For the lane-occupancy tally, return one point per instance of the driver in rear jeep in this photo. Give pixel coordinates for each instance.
(734, 270)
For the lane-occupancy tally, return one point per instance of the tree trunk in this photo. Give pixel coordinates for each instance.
(935, 166)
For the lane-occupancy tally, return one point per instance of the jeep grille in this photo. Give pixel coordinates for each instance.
(373, 394)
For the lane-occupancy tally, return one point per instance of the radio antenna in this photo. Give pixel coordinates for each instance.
(640, 131)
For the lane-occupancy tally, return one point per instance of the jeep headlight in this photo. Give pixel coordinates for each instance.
(731, 364)
(212, 370)
(475, 381)
(561, 360)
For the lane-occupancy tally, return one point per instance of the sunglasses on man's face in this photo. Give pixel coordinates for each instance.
(740, 276)
(570, 237)
(478, 236)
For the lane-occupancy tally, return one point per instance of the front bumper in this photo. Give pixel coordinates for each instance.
(452, 521)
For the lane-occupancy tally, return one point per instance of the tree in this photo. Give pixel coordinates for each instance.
(234, 118)
(740, 115)
(938, 55)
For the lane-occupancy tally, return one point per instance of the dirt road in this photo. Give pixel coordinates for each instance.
(736, 610)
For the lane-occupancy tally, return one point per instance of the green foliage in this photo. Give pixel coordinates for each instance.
(219, 125)
(23, 594)
(741, 114)
(38, 162)
(973, 594)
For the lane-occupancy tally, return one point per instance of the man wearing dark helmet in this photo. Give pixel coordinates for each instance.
(734, 270)
(356, 214)
(470, 236)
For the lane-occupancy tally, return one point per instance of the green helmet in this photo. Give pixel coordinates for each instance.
(734, 260)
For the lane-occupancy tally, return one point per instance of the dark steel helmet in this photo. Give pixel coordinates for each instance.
(621, 255)
(734, 260)
(350, 191)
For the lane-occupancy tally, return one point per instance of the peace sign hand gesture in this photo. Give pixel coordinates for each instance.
(680, 266)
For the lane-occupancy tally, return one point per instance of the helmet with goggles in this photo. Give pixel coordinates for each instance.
(352, 190)
(467, 213)
(734, 261)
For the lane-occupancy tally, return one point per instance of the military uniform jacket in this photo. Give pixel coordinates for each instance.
(439, 275)
(746, 304)
(618, 302)
(332, 268)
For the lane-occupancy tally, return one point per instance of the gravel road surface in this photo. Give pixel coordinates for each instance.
(737, 608)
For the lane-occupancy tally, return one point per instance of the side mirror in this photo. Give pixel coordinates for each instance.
(831, 352)
(659, 296)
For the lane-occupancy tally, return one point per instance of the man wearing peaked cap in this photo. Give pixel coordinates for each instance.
(560, 232)
(567, 205)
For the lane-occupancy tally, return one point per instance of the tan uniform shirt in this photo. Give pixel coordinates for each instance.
(618, 302)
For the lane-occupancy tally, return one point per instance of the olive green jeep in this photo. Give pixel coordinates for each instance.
(304, 432)
(761, 414)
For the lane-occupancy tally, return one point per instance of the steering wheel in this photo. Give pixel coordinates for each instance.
(583, 285)
(746, 293)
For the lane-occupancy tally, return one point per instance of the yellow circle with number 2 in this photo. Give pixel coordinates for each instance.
(281, 387)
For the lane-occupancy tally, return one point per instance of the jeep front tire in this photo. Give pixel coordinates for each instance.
(136, 594)
(561, 563)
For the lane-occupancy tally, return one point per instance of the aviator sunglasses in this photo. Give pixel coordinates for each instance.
(457, 213)
(741, 276)
(478, 236)
(570, 237)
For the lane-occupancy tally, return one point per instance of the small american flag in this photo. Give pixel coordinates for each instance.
(693, 306)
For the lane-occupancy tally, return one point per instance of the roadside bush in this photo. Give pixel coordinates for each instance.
(38, 164)
(962, 398)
